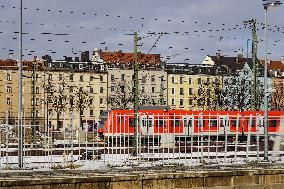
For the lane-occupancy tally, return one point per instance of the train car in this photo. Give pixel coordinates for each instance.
(184, 123)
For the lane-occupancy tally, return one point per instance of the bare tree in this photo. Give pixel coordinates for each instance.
(237, 92)
(277, 100)
(57, 98)
(80, 101)
(123, 97)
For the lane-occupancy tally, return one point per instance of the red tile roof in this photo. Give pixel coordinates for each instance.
(274, 65)
(13, 64)
(128, 58)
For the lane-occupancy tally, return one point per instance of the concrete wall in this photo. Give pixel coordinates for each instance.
(241, 179)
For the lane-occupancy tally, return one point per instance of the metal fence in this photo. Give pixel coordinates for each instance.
(183, 140)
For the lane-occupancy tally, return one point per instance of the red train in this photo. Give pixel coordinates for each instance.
(189, 123)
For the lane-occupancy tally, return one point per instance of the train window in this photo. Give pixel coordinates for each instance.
(187, 122)
(223, 122)
(200, 122)
(272, 123)
(234, 122)
(175, 123)
(213, 123)
(160, 123)
(144, 122)
(253, 122)
(131, 122)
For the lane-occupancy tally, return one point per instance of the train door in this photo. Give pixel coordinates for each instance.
(188, 124)
(260, 124)
(143, 124)
(147, 126)
(223, 123)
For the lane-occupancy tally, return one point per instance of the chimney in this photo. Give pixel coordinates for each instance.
(68, 59)
(47, 58)
(218, 56)
(85, 56)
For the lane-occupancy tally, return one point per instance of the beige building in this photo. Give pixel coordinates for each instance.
(192, 87)
(61, 87)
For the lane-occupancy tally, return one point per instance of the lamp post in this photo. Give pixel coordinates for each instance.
(20, 88)
(266, 5)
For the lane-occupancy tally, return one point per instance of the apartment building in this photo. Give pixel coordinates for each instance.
(192, 87)
(152, 79)
(9, 92)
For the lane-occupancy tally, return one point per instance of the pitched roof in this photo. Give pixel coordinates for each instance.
(234, 63)
(13, 64)
(128, 58)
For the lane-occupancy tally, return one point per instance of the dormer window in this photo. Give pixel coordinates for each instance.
(81, 66)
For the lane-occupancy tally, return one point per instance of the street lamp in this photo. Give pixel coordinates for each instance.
(266, 5)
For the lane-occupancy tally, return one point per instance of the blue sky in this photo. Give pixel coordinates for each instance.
(194, 27)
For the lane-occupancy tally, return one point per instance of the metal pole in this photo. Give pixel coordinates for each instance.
(136, 100)
(34, 101)
(20, 95)
(265, 94)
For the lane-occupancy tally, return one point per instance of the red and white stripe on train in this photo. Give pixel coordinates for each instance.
(182, 122)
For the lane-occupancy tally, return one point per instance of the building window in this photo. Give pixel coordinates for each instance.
(173, 90)
(189, 81)
(101, 90)
(181, 102)
(173, 101)
(199, 81)
(208, 102)
(112, 77)
(91, 101)
(8, 101)
(180, 80)
(8, 77)
(152, 78)
(122, 77)
(8, 89)
(173, 79)
(91, 78)
(60, 77)
(199, 92)
(190, 101)
(71, 89)
(181, 91)
(190, 91)
(101, 78)
(91, 90)
(81, 78)
(101, 100)
(37, 101)
(36, 77)
(143, 89)
(81, 89)
(143, 79)
(208, 92)
(49, 76)
(208, 80)
(37, 90)
(153, 89)
(111, 88)
(71, 77)
(91, 112)
(122, 89)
